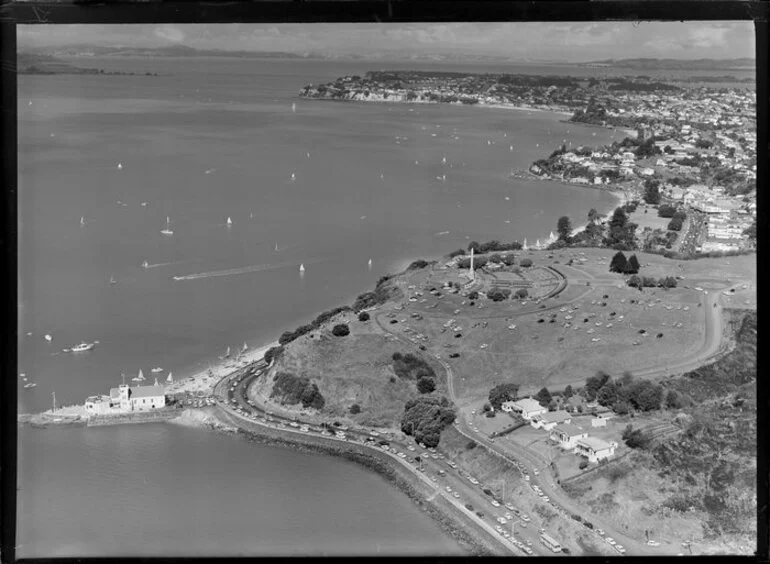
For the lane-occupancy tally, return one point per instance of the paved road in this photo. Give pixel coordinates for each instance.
(241, 380)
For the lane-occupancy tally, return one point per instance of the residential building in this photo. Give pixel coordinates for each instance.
(594, 449)
(125, 399)
(527, 407)
(551, 419)
(567, 434)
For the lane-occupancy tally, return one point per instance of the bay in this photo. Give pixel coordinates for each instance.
(212, 139)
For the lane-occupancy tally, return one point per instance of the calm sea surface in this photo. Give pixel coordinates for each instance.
(217, 139)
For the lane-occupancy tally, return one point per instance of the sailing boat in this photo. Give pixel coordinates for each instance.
(370, 263)
(82, 220)
(113, 281)
(301, 268)
(226, 355)
(167, 230)
(443, 160)
(156, 382)
(293, 176)
(139, 377)
(170, 378)
(276, 247)
(525, 244)
(294, 107)
(245, 348)
(229, 221)
(145, 264)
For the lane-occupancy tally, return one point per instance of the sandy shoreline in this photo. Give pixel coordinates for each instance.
(205, 380)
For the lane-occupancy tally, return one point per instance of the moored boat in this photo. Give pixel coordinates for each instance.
(82, 347)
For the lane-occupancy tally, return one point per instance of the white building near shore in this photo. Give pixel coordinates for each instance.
(127, 399)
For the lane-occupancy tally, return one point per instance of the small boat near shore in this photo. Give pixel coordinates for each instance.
(82, 347)
(156, 370)
(30, 385)
(170, 378)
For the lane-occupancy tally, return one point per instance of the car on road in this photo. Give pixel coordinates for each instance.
(620, 549)
(495, 503)
(449, 489)
(525, 518)
(611, 541)
(456, 494)
(401, 455)
(433, 479)
(600, 532)
(410, 447)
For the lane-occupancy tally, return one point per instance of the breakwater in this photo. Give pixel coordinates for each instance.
(134, 417)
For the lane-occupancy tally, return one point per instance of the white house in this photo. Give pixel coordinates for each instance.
(594, 449)
(125, 399)
(566, 434)
(527, 407)
(550, 419)
(601, 420)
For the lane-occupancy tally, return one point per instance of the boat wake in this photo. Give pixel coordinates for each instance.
(241, 270)
(170, 263)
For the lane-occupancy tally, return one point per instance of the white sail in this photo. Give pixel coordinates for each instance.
(293, 176)
(245, 347)
(170, 378)
(552, 237)
(145, 264)
(167, 230)
(229, 221)
(443, 160)
(156, 382)
(276, 247)
(294, 107)
(140, 376)
(525, 244)
(120, 166)
(537, 244)
(370, 263)
(82, 220)
(302, 268)
(227, 353)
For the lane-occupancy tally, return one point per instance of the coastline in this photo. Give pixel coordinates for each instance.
(358, 454)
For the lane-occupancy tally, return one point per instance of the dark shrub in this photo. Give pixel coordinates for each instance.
(426, 385)
(363, 316)
(525, 262)
(355, 408)
(340, 330)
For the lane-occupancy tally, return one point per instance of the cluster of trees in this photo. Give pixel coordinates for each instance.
(508, 259)
(418, 264)
(636, 438)
(525, 262)
(289, 336)
(677, 221)
(544, 397)
(273, 353)
(652, 192)
(341, 330)
(628, 393)
(493, 246)
(620, 264)
(503, 393)
(521, 293)
(647, 149)
(650, 282)
(498, 294)
(425, 417)
(290, 389)
(380, 295)
(478, 262)
(564, 228)
(622, 233)
(411, 367)
(363, 316)
(667, 210)
(751, 231)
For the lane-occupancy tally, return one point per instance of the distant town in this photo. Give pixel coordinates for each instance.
(692, 148)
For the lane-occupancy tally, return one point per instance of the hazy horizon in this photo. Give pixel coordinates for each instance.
(520, 41)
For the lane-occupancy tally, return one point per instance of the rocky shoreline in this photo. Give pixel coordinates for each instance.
(354, 453)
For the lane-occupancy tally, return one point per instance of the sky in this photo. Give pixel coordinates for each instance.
(525, 41)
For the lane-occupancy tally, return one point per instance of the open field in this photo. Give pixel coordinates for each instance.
(649, 219)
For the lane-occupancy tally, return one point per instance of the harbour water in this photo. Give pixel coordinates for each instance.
(217, 138)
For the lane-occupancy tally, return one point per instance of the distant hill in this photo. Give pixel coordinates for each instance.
(170, 51)
(675, 64)
(38, 63)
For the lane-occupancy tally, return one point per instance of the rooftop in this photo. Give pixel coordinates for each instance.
(528, 404)
(555, 416)
(594, 443)
(141, 392)
(569, 429)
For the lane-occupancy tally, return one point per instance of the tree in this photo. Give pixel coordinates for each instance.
(652, 192)
(498, 294)
(426, 385)
(273, 353)
(525, 262)
(645, 395)
(363, 316)
(502, 393)
(341, 330)
(425, 417)
(568, 392)
(751, 231)
(635, 281)
(486, 407)
(594, 384)
(673, 400)
(593, 215)
(474, 295)
(607, 394)
(618, 263)
(543, 397)
(521, 293)
(564, 228)
(583, 464)
(355, 408)
(618, 219)
(632, 266)
(666, 210)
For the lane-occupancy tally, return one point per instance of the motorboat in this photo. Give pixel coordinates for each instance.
(82, 347)
(156, 370)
